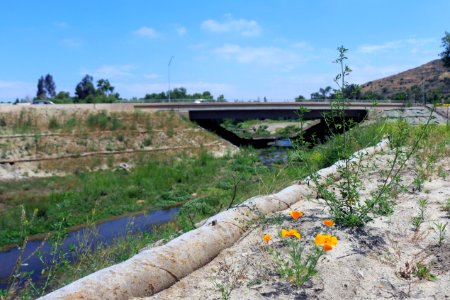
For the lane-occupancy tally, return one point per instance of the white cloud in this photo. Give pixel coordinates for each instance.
(265, 55)
(242, 26)
(71, 43)
(198, 46)
(10, 90)
(181, 30)
(303, 46)
(151, 76)
(110, 71)
(413, 44)
(146, 32)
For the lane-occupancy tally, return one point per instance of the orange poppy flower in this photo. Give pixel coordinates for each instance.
(327, 247)
(266, 238)
(323, 239)
(290, 232)
(296, 214)
(328, 223)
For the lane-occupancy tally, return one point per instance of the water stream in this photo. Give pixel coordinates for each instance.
(105, 233)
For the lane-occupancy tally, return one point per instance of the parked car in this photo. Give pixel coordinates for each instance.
(42, 102)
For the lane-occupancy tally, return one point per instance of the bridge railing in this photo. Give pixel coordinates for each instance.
(259, 101)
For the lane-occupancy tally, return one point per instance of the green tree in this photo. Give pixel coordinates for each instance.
(178, 93)
(221, 98)
(63, 97)
(352, 91)
(435, 95)
(207, 95)
(299, 98)
(104, 87)
(400, 96)
(46, 87)
(325, 93)
(445, 55)
(41, 94)
(50, 86)
(85, 88)
(416, 93)
(315, 96)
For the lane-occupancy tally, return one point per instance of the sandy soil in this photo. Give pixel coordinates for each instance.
(273, 126)
(374, 262)
(414, 115)
(44, 152)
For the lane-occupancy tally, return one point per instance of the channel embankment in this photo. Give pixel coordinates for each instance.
(156, 269)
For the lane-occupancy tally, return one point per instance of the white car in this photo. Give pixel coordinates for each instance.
(42, 102)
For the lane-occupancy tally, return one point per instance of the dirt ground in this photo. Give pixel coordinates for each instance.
(378, 261)
(42, 151)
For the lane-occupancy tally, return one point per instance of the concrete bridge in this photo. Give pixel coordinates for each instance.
(266, 110)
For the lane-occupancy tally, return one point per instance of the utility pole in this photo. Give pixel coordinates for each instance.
(168, 73)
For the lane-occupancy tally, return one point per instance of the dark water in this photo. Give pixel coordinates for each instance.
(105, 233)
(278, 152)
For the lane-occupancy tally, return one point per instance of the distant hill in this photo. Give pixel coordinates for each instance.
(431, 77)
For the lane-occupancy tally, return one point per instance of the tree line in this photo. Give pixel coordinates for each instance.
(85, 91)
(180, 95)
(415, 93)
(102, 91)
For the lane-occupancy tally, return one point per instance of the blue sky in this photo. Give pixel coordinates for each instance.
(241, 49)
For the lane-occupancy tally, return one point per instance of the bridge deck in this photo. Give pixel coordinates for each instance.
(265, 110)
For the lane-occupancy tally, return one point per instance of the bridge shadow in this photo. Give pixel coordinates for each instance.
(318, 133)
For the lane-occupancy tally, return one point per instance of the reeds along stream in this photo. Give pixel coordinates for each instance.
(101, 234)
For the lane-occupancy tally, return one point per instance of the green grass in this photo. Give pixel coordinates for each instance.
(112, 193)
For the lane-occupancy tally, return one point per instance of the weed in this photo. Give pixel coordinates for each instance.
(441, 172)
(147, 142)
(58, 257)
(274, 219)
(297, 268)
(227, 279)
(99, 120)
(116, 123)
(109, 147)
(18, 277)
(120, 138)
(170, 132)
(440, 229)
(71, 123)
(53, 123)
(420, 218)
(423, 272)
(447, 206)
(418, 182)
(346, 205)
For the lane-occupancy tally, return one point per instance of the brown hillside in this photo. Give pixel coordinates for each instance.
(431, 77)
